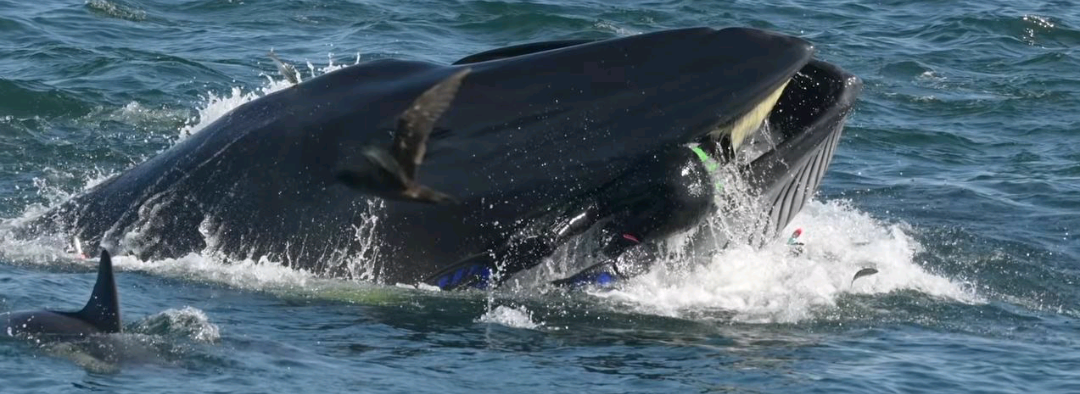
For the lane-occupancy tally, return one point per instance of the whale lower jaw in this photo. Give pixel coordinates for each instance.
(803, 130)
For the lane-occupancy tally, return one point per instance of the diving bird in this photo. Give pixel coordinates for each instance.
(392, 173)
(287, 70)
(101, 315)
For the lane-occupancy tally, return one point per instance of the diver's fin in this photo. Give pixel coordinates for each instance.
(493, 267)
(473, 271)
(286, 69)
(600, 274)
(415, 124)
(103, 309)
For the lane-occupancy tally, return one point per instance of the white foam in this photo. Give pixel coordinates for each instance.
(618, 30)
(771, 284)
(246, 274)
(218, 105)
(188, 321)
(517, 317)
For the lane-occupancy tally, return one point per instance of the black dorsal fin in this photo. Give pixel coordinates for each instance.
(103, 309)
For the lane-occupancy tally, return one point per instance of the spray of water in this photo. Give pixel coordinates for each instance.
(517, 317)
(778, 283)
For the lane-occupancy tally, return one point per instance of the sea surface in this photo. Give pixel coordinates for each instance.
(958, 179)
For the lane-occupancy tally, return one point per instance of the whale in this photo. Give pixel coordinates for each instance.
(101, 315)
(520, 150)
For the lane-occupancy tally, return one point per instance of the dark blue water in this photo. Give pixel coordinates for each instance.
(958, 177)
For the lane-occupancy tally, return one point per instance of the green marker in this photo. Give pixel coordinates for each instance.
(710, 164)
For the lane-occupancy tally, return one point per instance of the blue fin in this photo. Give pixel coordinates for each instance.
(602, 274)
(474, 271)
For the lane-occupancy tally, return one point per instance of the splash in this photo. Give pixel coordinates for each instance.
(612, 27)
(187, 322)
(217, 105)
(165, 338)
(775, 284)
(260, 274)
(516, 317)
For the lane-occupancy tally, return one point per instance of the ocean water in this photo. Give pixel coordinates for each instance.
(958, 179)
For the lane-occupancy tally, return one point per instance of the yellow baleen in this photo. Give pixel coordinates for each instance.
(748, 123)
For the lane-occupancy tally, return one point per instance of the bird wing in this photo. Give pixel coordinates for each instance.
(415, 124)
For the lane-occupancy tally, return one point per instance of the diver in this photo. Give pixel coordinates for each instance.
(634, 223)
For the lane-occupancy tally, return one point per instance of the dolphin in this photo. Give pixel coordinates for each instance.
(101, 315)
(523, 149)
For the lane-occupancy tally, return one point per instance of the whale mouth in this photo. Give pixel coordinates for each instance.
(734, 133)
(786, 156)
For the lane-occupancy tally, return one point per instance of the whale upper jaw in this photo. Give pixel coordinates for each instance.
(729, 79)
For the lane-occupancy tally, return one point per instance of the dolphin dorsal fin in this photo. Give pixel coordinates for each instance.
(103, 309)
